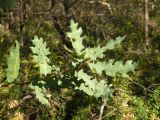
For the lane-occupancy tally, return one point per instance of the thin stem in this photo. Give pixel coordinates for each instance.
(101, 110)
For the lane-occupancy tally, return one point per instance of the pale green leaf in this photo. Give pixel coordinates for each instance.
(93, 87)
(40, 56)
(76, 38)
(94, 53)
(39, 92)
(98, 52)
(83, 76)
(112, 68)
(45, 68)
(112, 43)
(13, 63)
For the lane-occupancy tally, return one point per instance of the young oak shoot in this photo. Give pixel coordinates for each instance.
(92, 85)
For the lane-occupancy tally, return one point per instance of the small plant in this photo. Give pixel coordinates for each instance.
(93, 84)
(94, 74)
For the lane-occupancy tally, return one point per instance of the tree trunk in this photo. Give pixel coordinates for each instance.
(146, 20)
(21, 22)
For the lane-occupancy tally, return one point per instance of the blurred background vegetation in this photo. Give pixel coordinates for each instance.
(100, 19)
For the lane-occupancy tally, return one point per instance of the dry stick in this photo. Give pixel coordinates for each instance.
(110, 113)
(14, 83)
(101, 110)
(124, 91)
(146, 89)
(25, 99)
(67, 7)
(58, 26)
(102, 3)
(154, 85)
(134, 52)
